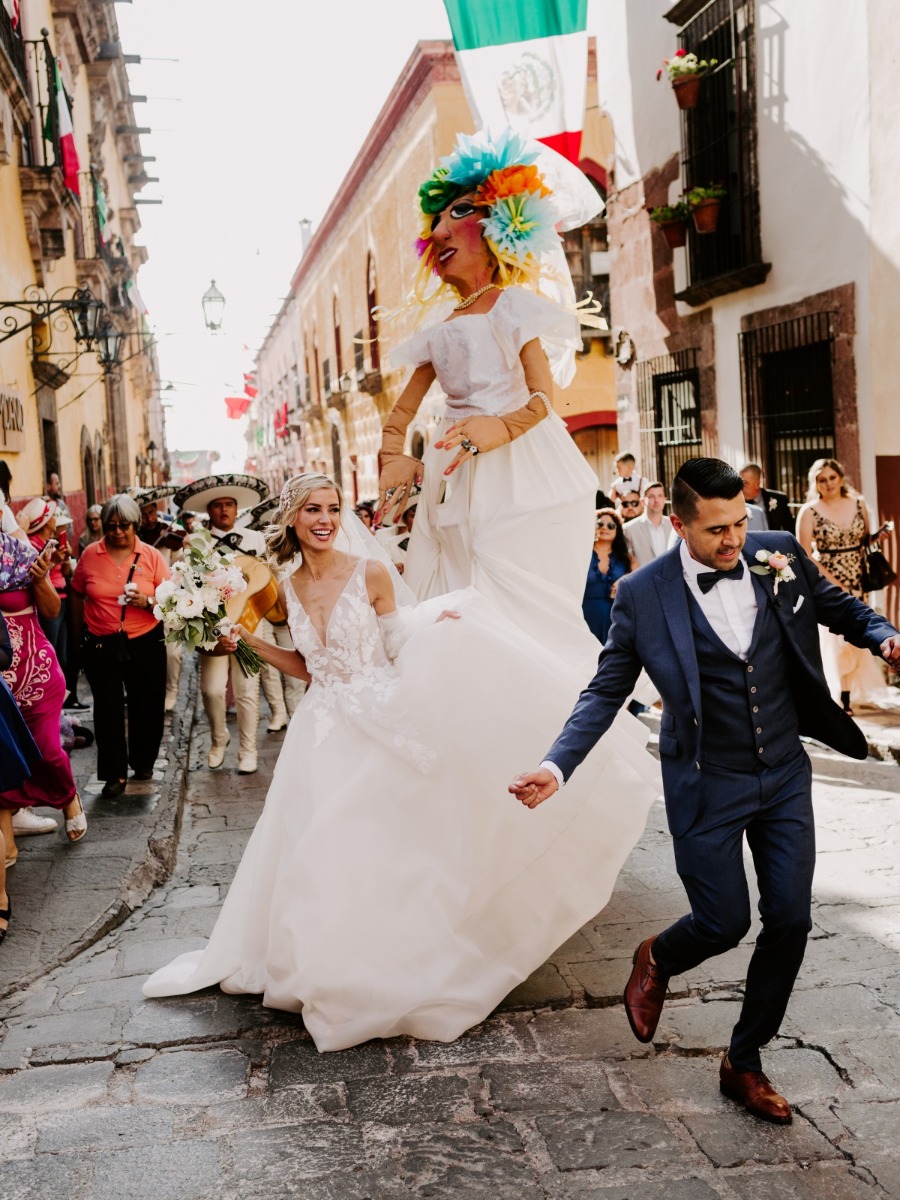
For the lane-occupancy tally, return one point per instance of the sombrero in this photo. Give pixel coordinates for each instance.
(152, 495)
(37, 513)
(246, 490)
(260, 515)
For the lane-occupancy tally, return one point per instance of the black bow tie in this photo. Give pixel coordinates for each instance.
(232, 541)
(707, 580)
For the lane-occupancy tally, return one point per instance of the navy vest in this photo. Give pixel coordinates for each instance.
(749, 716)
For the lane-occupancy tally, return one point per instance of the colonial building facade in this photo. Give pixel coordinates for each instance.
(68, 229)
(772, 338)
(324, 373)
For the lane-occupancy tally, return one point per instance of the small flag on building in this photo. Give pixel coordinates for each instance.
(59, 129)
(524, 65)
(12, 8)
(237, 406)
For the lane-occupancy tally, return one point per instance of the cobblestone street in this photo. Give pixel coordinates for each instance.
(106, 1095)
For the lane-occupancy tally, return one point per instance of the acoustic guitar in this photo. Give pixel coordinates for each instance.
(259, 600)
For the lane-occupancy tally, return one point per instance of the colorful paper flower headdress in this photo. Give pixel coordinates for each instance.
(521, 223)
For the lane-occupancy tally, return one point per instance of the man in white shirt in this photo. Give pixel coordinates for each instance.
(648, 535)
(221, 496)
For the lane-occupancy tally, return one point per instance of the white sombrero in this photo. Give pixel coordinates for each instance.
(38, 512)
(245, 490)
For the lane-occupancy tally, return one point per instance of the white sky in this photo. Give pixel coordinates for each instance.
(254, 128)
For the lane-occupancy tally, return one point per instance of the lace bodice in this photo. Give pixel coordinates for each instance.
(352, 670)
(476, 357)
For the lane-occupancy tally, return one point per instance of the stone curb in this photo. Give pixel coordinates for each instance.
(158, 860)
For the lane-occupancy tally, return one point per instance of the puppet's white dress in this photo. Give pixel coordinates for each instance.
(518, 523)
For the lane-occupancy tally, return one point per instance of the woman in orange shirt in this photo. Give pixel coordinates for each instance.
(123, 653)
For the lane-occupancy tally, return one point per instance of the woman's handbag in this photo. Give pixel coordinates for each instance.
(877, 572)
(115, 644)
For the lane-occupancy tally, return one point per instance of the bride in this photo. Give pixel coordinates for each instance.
(391, 885)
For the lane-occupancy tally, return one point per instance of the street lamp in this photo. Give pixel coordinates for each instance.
(213, 307)
(87, 317)
(109, 346)
(151, 452)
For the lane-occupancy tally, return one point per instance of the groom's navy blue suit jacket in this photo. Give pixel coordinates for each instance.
(651, 628)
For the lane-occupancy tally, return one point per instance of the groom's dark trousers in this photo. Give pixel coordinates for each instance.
(732, 761)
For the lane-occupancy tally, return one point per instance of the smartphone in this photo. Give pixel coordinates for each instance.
(63, 538)
(49, 548)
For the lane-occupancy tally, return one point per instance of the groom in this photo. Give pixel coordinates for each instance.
(731, 641)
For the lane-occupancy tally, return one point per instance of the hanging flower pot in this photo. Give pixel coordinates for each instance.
(685, 71)
(675, 232)
(704, 204)
(672, 221)
(687, 90)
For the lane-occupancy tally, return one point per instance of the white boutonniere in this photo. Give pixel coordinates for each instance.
(773, 504)
(776, 564)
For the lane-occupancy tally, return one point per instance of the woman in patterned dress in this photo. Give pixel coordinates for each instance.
(38, 687)
(832, 527)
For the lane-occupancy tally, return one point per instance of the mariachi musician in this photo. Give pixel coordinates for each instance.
(221, 497)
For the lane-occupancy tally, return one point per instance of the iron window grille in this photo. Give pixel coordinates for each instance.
(788, 396)
(718, 146)
(671, 428)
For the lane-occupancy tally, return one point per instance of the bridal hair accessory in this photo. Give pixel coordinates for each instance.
(776, 564)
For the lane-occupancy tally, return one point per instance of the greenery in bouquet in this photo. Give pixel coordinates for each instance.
(191, 605)
(684, 63)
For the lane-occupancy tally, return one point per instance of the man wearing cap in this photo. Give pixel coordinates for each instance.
(221, 496)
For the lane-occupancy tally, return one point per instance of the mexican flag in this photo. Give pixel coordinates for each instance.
(524, 64)
(12, 8)
(59, 129)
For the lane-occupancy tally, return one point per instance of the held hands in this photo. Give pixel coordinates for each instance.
(474, 435)
(135, 597)
(533, 789)
(40, 568)
(890, 650)
(399, 475)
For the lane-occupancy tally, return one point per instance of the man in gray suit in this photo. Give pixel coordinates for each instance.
(726, 625)
(648, 535)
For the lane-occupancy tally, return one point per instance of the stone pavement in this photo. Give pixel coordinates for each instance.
(105, 1095)
(66, 896)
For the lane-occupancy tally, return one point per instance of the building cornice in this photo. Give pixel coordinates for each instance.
(430, 63)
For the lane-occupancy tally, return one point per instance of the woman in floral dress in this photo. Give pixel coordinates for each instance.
(36, 681)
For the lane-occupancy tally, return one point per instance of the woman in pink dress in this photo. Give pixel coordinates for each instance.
(38, 686)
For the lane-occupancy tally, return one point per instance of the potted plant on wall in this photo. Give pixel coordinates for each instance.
(704, 203)
(672, 222)
(685, 72)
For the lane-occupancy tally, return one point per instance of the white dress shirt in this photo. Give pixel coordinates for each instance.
(730, 607)
(252, 541)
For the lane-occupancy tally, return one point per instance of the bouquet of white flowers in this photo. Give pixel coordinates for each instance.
(191, 605)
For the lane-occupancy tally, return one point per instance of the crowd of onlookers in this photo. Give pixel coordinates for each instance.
(834, 526)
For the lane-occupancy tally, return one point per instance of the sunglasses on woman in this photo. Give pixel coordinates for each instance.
(606, 525)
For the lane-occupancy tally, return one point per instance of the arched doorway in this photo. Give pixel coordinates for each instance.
(88, 472)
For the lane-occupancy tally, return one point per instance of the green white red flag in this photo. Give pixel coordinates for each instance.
(524, 64)
(59, 129)
(12, 9)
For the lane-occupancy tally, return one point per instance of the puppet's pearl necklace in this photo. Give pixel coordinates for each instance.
(471, 299)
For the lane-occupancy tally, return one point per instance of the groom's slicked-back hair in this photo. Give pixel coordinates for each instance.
(703, 479)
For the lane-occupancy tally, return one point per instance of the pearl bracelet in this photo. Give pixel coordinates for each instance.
(543, 396)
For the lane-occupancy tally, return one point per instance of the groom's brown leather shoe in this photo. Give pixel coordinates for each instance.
(645, 993)
(753, 1090)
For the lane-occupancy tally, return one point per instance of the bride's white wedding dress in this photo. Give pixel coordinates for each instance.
(392, 885)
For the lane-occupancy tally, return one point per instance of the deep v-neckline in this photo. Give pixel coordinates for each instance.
(323, 642)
